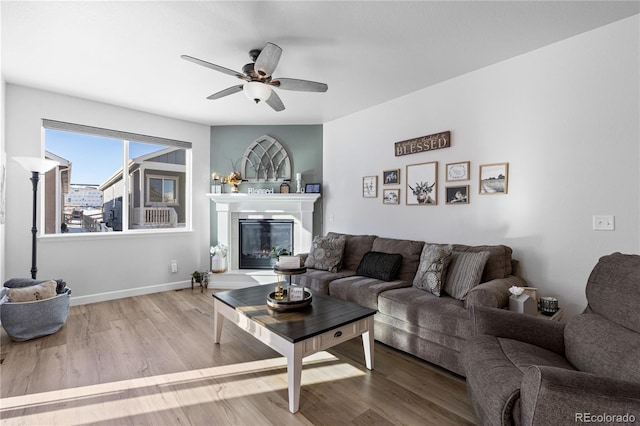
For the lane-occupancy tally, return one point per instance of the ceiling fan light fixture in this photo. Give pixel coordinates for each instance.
(257, 91)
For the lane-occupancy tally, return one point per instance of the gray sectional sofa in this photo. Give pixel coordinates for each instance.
(410, 318)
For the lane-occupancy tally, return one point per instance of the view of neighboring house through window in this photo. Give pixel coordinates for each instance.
(91, 192)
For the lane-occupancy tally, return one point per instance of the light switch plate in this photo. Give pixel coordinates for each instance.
(603, 223)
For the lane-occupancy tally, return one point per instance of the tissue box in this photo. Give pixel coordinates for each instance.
(523, 304)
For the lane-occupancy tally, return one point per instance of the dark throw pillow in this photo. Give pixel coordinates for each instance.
(381, 266)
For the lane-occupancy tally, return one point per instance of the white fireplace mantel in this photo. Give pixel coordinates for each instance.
(231, 208)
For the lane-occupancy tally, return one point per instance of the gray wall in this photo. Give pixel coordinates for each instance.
(302, 142)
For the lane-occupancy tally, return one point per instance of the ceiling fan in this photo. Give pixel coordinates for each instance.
(257, 75)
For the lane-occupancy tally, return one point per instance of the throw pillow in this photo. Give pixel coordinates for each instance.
(433, 265)
(381, 266)
(45, 290)
(326, 253)
(465, 271)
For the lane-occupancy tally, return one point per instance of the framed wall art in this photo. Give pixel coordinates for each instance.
(457, 171)
(370, 186)
(391, 196)
(494, 178)
(391, 177)
(457, 194)
(422, 184)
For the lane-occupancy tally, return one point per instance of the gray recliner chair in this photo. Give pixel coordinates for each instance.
(524, 370)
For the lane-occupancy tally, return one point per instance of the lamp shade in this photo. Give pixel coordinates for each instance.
(257, 91)
(36, 164)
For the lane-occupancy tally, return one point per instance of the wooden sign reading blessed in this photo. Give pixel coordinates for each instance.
(423, 143)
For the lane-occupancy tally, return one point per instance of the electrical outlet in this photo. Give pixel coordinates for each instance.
(603, 223)
(174, 266)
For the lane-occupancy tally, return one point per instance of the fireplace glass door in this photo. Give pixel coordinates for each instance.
(258, 237)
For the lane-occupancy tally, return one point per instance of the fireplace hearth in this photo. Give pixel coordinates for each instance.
(258, 236)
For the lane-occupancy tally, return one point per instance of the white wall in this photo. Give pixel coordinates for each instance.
(3, 160)
(565, 117)
(100, 267)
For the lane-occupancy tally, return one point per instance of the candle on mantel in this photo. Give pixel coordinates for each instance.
(298, 176)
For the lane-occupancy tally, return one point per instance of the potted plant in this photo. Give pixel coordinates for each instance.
(196, 277)
(276, 252)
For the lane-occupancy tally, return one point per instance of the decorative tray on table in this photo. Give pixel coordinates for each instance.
(285, 304)
(292, 271)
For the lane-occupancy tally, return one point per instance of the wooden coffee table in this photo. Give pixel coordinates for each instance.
(326, 322)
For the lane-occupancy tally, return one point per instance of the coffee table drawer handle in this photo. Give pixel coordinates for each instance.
(337, 334)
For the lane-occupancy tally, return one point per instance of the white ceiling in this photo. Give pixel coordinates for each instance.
(128, 53)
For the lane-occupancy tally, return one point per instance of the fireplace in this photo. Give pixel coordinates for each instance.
(258, 236)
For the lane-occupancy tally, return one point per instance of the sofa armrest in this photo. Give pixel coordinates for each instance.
(494, 293)
(551, 395)
(540, 332)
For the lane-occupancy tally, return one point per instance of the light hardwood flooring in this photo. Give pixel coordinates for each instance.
(151, 360)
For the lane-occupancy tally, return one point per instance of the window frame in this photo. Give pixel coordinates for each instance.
(126, 138)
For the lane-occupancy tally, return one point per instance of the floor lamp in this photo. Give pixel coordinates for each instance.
(36, 166)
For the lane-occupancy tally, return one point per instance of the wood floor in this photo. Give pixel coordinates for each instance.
(150, 360)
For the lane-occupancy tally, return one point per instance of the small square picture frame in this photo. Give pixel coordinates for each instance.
(370, 187)
(457, 194)
(457, 171)
(391, 196)
(312, 188)
(494, 179)
(391, 177)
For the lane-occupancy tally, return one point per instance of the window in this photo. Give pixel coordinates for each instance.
(162, 190)
(112, 181)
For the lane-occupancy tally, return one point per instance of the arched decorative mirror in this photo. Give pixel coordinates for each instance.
(266, 160)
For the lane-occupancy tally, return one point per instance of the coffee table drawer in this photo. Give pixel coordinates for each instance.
(334, 337)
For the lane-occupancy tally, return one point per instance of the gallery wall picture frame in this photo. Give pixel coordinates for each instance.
(457, 194)
(370, 186)
(458, 171)
(391, 196)
(391, 177)
(494, 179)
(422, 184)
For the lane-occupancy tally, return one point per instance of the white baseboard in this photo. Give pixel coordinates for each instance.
(224, 281)
(120, 294)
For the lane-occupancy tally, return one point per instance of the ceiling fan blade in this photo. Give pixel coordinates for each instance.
(300, 85)
(226, 92)
(215, 67)
(275, 102)
(268, 59)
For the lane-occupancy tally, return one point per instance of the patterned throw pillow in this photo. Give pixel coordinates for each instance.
(433, 266)
(326, 253)
(45, 290)
(464, 273)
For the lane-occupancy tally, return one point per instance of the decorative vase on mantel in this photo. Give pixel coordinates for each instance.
(234, 179)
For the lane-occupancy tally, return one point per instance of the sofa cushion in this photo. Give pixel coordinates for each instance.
(499, 262)
(410, 251)
(494, 367)
(464, 273)
(355, 248)
(42, 291)
(318, 280)
(433, 267)
(599, 346)
(362, 290)
(441, 314)
(382, 266)
(326, 253)
(613, 291)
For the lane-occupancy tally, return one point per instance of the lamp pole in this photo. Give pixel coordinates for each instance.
(35, 177)
(35, 165)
